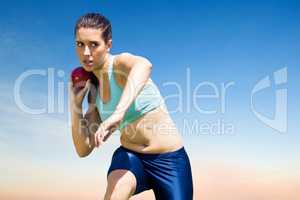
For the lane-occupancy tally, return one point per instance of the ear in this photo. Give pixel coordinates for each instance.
(109, 44)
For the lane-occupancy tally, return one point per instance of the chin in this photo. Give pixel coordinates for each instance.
(88, 69)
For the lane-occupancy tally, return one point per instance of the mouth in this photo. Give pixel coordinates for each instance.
(88, 63)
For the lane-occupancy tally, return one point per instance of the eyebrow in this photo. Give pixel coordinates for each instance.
(88, 41)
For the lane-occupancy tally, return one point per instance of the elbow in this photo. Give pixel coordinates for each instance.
(82, 146)
(82, 155)
(148, 64)
(142, 61)
(150, 67)
(82, 152)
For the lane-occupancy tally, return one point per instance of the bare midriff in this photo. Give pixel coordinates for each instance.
(154, 132)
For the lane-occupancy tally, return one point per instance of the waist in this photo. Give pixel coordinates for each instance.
(150, 149)
(154, 132)
(180, 150)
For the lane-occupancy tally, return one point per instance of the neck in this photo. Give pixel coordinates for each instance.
(103, 69)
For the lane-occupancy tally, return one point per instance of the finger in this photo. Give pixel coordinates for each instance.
(100, 140)
(96, 139)
(92, 94)
(107, 134)
(71, 89)
(87, 84)
(71, 94)
(91, 98)
(93, 88)
(83, 91)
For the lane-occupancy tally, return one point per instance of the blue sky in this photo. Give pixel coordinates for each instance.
(216, 41)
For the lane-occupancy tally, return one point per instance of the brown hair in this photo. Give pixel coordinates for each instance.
(96, 21)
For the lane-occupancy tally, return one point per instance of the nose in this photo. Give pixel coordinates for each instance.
(87, 51)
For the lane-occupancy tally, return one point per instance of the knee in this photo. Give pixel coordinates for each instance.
(119, 191)
(121, 185)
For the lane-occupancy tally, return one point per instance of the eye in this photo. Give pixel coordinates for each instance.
(94, 44)
(79, 44)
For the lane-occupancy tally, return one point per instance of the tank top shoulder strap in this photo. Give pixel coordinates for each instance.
(111, 63)
(112, 79)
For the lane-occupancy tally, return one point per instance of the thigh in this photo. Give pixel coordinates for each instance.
(175, 188)
(121, 184)
(171, 177)
(124, 160)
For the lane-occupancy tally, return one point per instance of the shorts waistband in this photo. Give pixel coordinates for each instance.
(156, 155)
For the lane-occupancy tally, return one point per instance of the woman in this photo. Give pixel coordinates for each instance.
(151, 155)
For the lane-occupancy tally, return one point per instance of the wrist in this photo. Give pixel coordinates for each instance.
(120, 112)
(76, 109)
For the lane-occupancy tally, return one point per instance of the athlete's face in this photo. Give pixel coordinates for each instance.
(91, 49)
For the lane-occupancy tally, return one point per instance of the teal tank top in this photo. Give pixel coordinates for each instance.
(148, 99)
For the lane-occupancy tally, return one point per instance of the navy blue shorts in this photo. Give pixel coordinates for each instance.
(168, 174)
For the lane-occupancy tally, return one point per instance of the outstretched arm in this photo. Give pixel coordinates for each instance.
(135, 72)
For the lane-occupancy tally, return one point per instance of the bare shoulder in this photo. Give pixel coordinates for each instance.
(123, 63)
